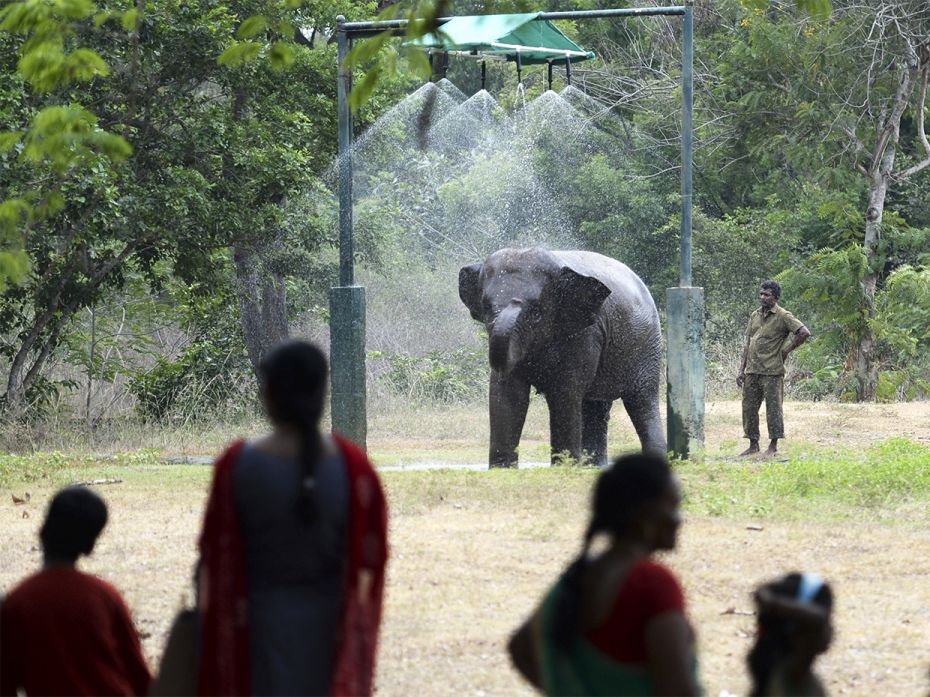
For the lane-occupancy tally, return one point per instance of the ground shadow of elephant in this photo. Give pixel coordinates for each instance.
(583, 330)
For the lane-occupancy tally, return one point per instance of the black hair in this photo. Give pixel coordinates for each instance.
(73, 522)
(772, 286)
(293, 380)
(777, 633)
(619, 495)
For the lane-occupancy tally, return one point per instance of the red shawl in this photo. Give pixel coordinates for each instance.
(224, 654)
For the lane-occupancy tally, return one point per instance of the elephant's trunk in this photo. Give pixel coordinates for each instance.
(501, 335)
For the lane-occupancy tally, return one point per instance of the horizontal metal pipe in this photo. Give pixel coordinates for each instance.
(468, 54)
(539, 49)
(625, 12)
(356, 28)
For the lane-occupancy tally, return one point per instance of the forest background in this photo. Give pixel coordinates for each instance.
(167, 197)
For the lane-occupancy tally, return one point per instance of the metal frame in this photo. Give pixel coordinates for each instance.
(346, 32)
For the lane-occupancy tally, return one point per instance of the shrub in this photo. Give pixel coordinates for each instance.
(208, 377)
(442, 377)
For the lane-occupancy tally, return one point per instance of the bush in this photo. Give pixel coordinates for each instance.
(208, 377)
(442, 377)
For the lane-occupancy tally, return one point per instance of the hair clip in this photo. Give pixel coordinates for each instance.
(809, 587)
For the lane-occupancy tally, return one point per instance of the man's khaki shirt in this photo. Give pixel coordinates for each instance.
(767, 333)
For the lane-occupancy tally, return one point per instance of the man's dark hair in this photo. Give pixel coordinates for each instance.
(772, 286)
(74, 520)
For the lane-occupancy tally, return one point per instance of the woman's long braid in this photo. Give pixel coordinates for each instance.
(568, 610)
(311, 450)
(621, 490)
(293, 377)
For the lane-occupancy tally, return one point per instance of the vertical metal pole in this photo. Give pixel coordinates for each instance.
(550, 75)
(484, 74)
(348, 396)
(684, 363)
(568, 70)
(344, 86)
(687, 104)
(519, 68)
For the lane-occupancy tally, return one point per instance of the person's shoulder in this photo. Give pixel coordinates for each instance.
(21, 591)
(657, 585)
(654, 571)
(106, 592)
(786, 315)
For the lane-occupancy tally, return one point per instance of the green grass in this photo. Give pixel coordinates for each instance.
(888, 481)
(881, 481)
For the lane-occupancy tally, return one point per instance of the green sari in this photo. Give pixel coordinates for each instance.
(583, 669)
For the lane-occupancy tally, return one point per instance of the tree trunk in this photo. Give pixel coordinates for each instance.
(881, 173)
(866, 363)
(262, 303)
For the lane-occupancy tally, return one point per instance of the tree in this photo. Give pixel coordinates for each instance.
(217, 154)
(899, 41)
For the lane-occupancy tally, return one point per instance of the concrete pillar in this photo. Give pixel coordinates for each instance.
(685, 370)
(347, 362)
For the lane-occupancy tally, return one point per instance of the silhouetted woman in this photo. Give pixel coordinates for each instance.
(293, 549)
(794, 628)
(615, 624)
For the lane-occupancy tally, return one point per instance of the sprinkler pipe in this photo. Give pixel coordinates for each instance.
(484, 74)
(519, 68)
(685, 358)
(568, 70)
(538, 49)
(549, 71)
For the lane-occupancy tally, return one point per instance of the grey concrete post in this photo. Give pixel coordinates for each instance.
(684, 370)
(347, 356)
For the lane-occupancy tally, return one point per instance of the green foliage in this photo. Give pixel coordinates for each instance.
(381, 59)
(829, 285)
(206, 379)
(438, 377)
(902, 317)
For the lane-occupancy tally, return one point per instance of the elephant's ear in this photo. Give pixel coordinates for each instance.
(470, 289)
(576, 299)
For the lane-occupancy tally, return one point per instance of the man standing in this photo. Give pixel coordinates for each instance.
(762, 368)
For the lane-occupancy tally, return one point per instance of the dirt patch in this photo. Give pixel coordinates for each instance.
(465, 572)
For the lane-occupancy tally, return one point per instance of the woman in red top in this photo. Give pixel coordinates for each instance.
(615, 624)
(293, 550)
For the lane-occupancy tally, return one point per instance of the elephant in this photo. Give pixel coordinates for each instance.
(579, 327)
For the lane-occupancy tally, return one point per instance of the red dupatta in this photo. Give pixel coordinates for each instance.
(224, 648)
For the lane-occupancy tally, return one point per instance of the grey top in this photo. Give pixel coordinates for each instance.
(294, 570)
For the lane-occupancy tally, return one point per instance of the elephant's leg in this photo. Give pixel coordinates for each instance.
(644, 413)
(564, 426)
(509, 399)
(595, 415)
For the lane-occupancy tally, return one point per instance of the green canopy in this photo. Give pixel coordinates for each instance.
(503, 36)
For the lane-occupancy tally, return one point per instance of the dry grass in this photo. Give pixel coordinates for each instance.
(473, 552)
(401, 434)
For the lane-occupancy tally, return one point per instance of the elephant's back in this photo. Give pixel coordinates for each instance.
(626, 287)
